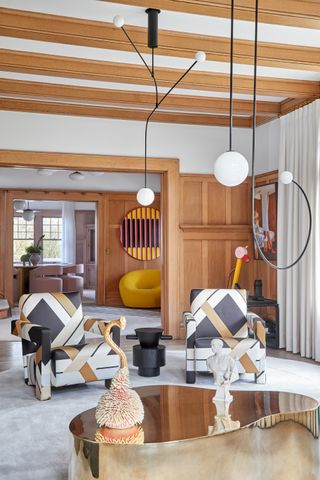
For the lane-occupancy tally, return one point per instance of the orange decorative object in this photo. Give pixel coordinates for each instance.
(140, 233)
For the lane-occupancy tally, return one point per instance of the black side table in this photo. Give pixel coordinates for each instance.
(272, 335)
(149, 356)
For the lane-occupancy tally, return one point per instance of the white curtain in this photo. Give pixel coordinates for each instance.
(68, 233)
(299, 287)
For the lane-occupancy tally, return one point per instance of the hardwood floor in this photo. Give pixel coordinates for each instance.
(10, 353)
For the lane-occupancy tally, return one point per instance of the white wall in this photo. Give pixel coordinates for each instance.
(196, 147)
(267, 147)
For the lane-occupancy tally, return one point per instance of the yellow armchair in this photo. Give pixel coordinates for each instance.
(141, 289)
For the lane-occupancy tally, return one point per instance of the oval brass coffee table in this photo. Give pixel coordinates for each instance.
(177, 443)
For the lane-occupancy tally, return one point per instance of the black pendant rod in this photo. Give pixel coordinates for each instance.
(231, 77)
(254, 124)
(150, 115)
(153, 43)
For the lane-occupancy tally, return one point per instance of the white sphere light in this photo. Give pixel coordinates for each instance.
(118, 21)
(28, 215)
(76, 176)
(200, 57)
(19, 205)
(231, 169)
(44, 172)
(145, 196)
(286, 177)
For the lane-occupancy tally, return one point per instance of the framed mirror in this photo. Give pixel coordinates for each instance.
(265, 220)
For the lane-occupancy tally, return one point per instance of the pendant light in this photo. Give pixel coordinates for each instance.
(231, 168)
(28, 214)
(145, 195)
(285, 177)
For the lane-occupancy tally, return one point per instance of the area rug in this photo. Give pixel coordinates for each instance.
(34, 436)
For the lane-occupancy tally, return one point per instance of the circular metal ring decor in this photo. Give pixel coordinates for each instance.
(140, 233)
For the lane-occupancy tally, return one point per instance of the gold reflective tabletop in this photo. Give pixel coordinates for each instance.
(175, 412)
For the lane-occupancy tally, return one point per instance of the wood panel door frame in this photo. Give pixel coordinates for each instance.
(169, 170)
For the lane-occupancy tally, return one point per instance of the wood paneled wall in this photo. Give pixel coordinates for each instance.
(119, 262)
(214, 220)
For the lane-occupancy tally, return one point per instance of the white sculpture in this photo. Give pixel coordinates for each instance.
(224, 369)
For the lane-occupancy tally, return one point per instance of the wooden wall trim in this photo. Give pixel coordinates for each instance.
(90, 33)
(169, 168)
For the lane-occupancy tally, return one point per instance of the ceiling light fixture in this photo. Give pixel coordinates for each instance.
(19, 205)
(76, 176)
(45, 172)
(28, 214)
(231, 168)
(145, 195)
(285, 177)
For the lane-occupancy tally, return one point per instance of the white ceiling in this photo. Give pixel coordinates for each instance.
(109, 181)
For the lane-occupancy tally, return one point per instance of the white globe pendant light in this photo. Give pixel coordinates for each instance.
(28, 215)
(145, 196)
(231, 169)
(286, 177)
(19, 205)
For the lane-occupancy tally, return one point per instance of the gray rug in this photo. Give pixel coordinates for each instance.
(35, 441)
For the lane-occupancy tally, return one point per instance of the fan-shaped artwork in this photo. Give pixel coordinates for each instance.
(140, 233)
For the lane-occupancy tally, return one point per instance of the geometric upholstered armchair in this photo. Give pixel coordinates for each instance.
(55, 350)
(222, 313)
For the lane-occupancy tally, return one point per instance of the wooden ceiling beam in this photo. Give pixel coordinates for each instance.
(291, 104)
(293, 13)
(58, 108)
(89, 33)
(70, 67)
(109, 97)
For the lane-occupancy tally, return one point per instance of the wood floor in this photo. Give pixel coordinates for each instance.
(10, 353)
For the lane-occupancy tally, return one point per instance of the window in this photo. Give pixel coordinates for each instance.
(23, 236)
(52, 242)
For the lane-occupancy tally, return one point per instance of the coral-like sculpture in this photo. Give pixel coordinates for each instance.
(133, 435)
(120, 407)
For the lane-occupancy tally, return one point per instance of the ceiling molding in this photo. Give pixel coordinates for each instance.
(138, 100)
(70, 67)
(57, 108)
(291, 104)
(294, 13)
(89, 33)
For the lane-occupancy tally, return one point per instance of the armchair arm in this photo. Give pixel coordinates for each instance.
(257, 327)
(191, 328)
(36, 338)
(98, 326)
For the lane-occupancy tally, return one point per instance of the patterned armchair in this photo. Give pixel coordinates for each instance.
(55, 351)
(222, 313)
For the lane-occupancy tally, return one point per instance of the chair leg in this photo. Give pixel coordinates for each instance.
(190, 377)
(107, 383)
(260, 377)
